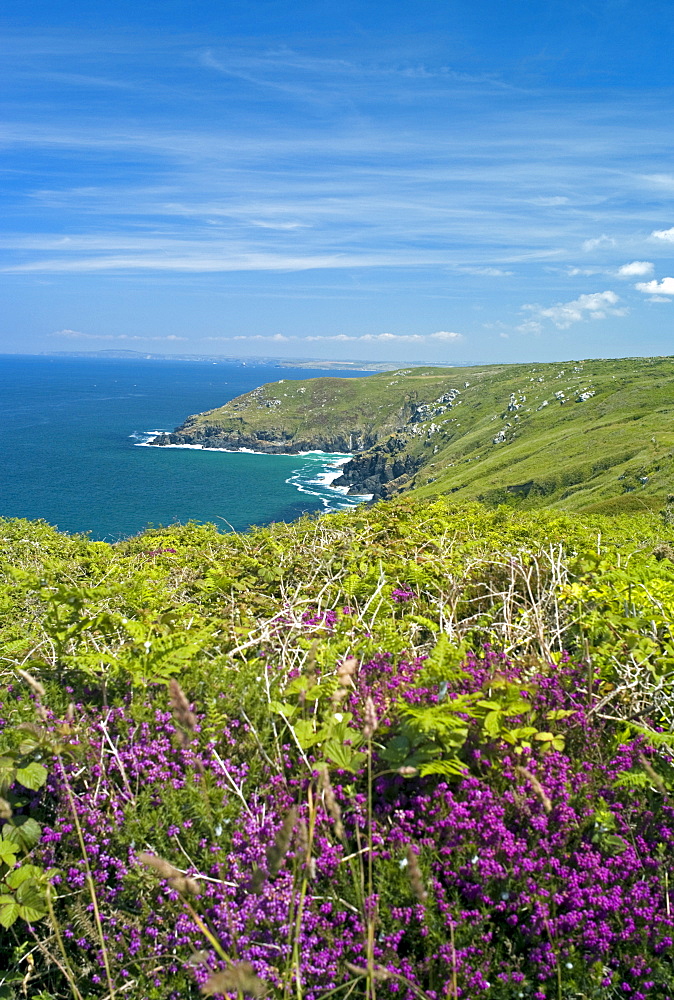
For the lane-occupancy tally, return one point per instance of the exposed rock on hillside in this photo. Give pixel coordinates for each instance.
(381, 471)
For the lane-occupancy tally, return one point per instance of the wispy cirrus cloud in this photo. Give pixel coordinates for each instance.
(375, 191)
(223, 262)
(241, 169)
(660, 180)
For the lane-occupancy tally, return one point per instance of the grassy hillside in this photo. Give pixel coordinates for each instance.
(578, 435)
(410, 752)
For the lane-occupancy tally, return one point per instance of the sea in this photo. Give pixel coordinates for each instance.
(73, 447)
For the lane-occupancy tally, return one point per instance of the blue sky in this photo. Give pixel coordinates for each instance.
(459, 181)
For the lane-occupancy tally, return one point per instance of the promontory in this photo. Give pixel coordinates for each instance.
(579, 435)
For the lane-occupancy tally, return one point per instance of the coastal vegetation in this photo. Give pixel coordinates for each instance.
(585, 435)
(421, 750)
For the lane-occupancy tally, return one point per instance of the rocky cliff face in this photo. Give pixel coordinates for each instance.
(271, 442)
(376, 468)
(381, 470)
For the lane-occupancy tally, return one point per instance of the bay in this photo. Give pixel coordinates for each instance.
(70, 430)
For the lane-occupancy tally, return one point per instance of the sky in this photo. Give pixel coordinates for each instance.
(449, 181)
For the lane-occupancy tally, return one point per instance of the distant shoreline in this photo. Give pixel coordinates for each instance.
(266, 362)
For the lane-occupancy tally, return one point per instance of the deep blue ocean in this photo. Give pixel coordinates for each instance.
(71, 441)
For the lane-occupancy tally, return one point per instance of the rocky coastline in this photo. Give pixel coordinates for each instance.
(380, 471)
(375, 469)
(271, 442)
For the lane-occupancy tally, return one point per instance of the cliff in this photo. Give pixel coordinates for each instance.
(586, 434)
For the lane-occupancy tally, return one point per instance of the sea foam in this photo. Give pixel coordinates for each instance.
(302, 479)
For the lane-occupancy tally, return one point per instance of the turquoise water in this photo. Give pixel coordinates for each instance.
(70, 430)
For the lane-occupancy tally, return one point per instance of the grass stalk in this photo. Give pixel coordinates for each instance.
(64, 966)
(454, 984)
(89, 878)
(296, 971)
(370, 915)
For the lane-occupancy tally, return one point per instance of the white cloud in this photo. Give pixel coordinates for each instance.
(573, 272)
(664, 287)
(487, 272)
(596, 305)
(664, 234)
(530, 325)
(598, 241)
(76, 334)
(637, 269)
(409, 338)
(382, 338)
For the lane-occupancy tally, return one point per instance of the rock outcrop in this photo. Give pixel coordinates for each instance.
(381, 470)
(271, 442)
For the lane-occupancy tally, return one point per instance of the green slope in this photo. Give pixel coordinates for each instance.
(592, 434)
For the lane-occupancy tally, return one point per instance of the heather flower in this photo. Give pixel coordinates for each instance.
(401, 595)
(523, 847)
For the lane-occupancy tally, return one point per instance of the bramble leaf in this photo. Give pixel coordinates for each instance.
(9, 911)
(22, 830)
(33, 776)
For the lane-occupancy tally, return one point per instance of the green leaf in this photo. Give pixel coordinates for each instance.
(9, 911)
(306, 734)
(445, 659)
(8, 852)
(492, 723)
(33, 776)
(612, 843)
(428, 623)
(22, 874)
(31, 901)
(518, 707)
(22, 830)
(343, 756)
(28, 744)
(7, 770)
(283, 708)
(451, 768)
